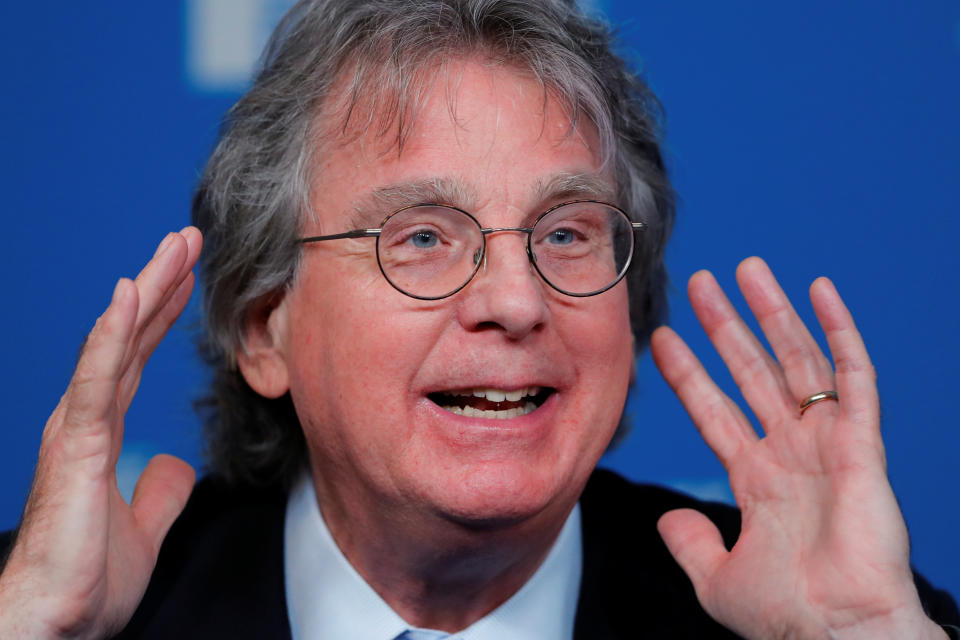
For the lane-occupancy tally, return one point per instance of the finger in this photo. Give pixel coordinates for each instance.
(160, 495)
(759, 378)
(806, 369)
(695, 543)
(158, 276)
(856, 378)
(152, 334)
(721, 423)
(91, 397)
(194, 241)
(158, 284)
(163, 274)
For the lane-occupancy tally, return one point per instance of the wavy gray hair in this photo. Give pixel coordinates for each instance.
(382, 54)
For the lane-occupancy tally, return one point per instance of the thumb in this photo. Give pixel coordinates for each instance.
(695, 543)
(160, 495)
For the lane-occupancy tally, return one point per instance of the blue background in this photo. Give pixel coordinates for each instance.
(823, 138)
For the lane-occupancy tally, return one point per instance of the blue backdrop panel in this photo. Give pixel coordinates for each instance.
(823, 139)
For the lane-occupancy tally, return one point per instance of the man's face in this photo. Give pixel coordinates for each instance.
(370, 368)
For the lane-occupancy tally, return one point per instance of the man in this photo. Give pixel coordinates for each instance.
(434, 242)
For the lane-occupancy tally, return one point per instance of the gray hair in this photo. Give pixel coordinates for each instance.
(254, 193)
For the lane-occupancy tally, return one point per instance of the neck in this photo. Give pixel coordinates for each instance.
(435, 572)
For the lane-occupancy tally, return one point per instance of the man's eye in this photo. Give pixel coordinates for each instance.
(560, 236)
(423, 239)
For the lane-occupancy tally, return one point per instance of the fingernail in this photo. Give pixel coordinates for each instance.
(163, 245)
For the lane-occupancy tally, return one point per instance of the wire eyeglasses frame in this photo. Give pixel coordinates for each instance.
(480, 255)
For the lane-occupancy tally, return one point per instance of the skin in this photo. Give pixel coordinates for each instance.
(823, 552)
(427, 505)
(83, 556)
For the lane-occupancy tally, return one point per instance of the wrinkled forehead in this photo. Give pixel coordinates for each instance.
(373, 102)
(477, 115)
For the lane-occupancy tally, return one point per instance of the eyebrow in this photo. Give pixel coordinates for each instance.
(376, 205)
(373, 207)
(588, 186)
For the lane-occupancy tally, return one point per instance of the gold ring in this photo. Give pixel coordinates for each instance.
(809, 401)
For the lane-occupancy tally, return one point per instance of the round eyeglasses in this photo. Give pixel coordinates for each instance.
(431, 251)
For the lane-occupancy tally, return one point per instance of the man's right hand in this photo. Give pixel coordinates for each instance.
(83, 557)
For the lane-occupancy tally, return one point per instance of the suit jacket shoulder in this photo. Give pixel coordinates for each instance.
(220, 570)
(631, 585)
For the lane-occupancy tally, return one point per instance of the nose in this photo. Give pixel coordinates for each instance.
(506, 294)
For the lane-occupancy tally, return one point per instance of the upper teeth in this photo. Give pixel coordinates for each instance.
(498, 395)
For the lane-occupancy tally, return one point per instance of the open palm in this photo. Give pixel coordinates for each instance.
(823, 550)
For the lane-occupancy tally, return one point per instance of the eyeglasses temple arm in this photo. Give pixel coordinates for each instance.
(354, 233)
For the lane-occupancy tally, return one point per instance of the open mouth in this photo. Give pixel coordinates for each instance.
(497, 404)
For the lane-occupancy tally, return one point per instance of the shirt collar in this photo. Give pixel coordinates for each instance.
(327, 598)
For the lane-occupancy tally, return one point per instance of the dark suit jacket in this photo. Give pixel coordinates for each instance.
(220, 572)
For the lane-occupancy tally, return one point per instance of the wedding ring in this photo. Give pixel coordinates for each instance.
(809, 401)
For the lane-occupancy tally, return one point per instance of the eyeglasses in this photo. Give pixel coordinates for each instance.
(431, 251)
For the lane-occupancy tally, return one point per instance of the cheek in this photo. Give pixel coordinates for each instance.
(343, 387)
(600, 338)
(599, 344)
(355, 355)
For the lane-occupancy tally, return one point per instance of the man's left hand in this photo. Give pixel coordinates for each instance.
(823, 551)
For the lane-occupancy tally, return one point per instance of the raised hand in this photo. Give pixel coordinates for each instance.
(823, 551)
(83, 557)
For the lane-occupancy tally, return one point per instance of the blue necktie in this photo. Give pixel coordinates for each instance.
(422, 634)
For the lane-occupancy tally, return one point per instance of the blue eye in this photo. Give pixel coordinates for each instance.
(560, 236)
(424, 239)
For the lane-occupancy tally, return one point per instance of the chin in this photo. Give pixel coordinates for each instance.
(502, 494)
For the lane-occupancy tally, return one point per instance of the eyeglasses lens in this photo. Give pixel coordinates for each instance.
(582, 247)
(431, 251)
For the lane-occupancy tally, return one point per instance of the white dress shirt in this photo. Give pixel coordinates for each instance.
(328, 600)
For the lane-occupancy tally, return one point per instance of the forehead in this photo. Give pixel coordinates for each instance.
(474, 135)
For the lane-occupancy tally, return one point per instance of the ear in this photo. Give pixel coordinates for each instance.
(263, 358)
